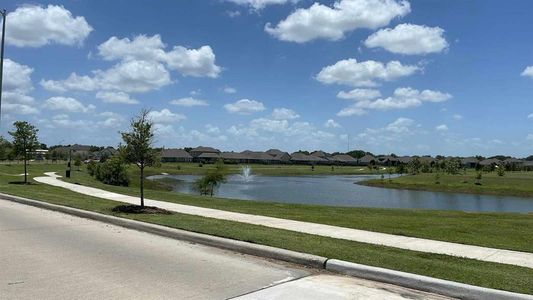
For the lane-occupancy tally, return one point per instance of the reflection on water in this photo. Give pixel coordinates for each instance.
(341, 191)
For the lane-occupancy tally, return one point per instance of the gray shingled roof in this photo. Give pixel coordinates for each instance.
(177, 153)
(205, 149)
(345, 158)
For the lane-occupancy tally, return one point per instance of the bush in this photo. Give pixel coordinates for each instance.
(91, 168)
(113, 171)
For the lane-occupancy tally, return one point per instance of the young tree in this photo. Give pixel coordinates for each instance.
(207, 184)
(77, 161)
(138, 145)
(24, 141)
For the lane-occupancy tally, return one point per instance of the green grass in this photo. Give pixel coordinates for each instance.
(512, 184)
(492, 275)
(498, 230)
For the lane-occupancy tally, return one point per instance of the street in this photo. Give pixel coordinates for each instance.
(49, 255)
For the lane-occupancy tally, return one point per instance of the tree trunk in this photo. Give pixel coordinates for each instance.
(142, 186)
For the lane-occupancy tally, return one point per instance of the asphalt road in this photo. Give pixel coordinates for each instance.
(49, 255)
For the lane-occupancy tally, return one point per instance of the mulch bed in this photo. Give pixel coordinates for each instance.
(136, 209)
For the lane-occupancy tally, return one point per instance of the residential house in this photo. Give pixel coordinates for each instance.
(175, 155)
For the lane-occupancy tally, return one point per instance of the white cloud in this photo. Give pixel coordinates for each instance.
(323, 22)
(229, 90)
(331, 124)
(401, 125)
(165, 116)
(528, 71)
(402, 98)
(112, 120)
(530, 137)
(67, 104)
(530, 116)
(36, 26)
(442, 128)
(457, 117)
(193, 62)
(189, 102)
(260, 4)
(17, 84)
(359, 94)
(73, 83)
(244, 107)
(142, 66)
(351, 111)
(233, 13)
(284, 114)
(115, 97)
(364, 74)
(409, 39)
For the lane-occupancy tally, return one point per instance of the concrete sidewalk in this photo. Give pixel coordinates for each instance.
(517, 258)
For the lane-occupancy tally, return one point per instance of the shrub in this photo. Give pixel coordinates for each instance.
(91, 168)
(501, 170)
(113, 171)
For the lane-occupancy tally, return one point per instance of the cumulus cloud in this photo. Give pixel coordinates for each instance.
(37, 26)
(67, 104)
(331, 124)
(332, 23)
(16, 87)
(402, 98)
(364, 74)
(530, 116)
(244, 107)
(359, 94)
(165, 116)
(442, 128)
(143, 65)
(189, 102)
(284, 114)
(409, 39)
(457, 117)
(260, 4)
(528, 72)
(229, 90)
(115, 97)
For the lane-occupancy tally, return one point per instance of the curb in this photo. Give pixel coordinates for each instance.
(409, 280)
(419, 282)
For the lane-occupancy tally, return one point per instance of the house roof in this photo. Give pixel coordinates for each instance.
(469, 160)
(274, 152)
(343, 158)
(367, 158)
(405, 159)
(513, 161)
(233, 155)
(257, 155)
(205, 149)
(319, 153)
(209, 155)
(298, 156)
(490, 161)
(427, 159)
(178, 153)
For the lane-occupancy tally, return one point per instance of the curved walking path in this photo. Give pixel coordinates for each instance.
(517, 258)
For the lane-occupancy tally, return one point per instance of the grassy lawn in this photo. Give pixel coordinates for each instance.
(512, 184)
(498, 230)
(499, 276)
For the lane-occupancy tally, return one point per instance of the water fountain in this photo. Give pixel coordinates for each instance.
(246, 174)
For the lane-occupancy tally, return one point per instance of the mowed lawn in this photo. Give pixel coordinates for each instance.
(498, 230)
(492, 275)
(511, 184)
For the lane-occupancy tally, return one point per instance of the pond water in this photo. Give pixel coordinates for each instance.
(342, 191)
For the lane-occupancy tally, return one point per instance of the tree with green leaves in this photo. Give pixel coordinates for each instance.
(207, 184)
(24, 141)
(77, 161)
(138, 145)
(5, 148)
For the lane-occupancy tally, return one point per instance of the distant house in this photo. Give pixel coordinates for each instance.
(203, 154)
(470, 162)
(367, 160)
(175, 155)
(234, 157)
(405, 160)
(104, 153)
(257, 157)
(301, 158)
(528, 165)
(343, 159)
(388, 160)
(320, 154)
(274, 152)
(490, 162)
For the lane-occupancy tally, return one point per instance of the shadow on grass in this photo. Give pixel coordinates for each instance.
(136, 209)
(22, 182)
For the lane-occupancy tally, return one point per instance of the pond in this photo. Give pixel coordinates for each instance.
(339, 190)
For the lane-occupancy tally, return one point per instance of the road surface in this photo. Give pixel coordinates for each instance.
(49, 255)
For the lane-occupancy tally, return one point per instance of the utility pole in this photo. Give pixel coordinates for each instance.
(4, 14)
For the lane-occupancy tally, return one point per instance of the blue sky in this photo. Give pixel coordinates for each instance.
(416, 77)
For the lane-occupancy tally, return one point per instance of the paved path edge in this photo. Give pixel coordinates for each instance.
(409, 280)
